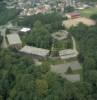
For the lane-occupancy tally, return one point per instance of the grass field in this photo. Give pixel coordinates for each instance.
(63, 44)
(88, 12)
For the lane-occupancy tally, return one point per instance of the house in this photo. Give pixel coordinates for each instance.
(24, 30)
(14, 41)
(68, 54)
(72, 15)
(60, 35)
(37, 53)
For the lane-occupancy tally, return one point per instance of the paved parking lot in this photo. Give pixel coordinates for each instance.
(61, 69)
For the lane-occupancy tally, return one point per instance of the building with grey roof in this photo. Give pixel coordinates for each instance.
(68, 54)
(60, 35)
(35, 52)
(14, 41)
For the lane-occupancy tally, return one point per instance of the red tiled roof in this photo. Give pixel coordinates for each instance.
(74, 14)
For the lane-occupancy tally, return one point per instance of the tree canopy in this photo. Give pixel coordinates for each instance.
(87, 40)
(1, 39)
(52, 21)
(39, 37)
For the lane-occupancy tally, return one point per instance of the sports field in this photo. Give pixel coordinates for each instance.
(75, 22)
(88, 12)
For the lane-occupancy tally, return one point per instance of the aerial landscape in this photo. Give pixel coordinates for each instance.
(48, 49)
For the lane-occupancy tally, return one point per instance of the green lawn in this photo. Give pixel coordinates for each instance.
(88, 12)
(55, 61)
(63, 44)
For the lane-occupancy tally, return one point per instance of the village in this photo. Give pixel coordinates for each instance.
(33, 7)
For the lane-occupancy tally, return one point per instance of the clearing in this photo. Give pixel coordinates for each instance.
(88, 12)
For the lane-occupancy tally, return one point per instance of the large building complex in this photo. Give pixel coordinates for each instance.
(68, 54)
(37, 53)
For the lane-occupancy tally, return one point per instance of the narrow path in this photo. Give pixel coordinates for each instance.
(4, 43)
(74, 43)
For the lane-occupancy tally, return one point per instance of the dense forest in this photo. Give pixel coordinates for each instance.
(10, 14)
(7, 14)
(1, 38)
(39, 37)
(86, 38)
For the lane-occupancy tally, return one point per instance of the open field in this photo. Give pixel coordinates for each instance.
(74, 22)
(88, 12)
